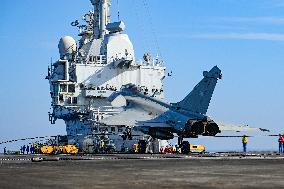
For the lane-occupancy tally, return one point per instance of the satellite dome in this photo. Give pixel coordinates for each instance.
(67, 45)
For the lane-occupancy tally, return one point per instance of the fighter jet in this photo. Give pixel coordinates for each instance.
(161, 120)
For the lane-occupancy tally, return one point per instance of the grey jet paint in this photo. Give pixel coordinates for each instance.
(161, 120)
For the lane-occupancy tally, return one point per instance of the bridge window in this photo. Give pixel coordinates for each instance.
(120, 129)
(112, 129)
(69, 100)
(61, 99)
(63, 88)
(92, 59)
(71, 88)
(75, 100)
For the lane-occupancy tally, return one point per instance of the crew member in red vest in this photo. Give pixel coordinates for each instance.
(281, 143)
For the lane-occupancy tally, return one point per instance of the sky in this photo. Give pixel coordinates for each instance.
(245, 38)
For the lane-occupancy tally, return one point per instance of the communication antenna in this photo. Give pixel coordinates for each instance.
(118, 11)
(150, 20)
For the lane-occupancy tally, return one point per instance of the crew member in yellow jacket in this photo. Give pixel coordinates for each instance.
(245, 142)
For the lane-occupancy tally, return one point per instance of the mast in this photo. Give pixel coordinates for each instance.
(101, 17)
(96, 24)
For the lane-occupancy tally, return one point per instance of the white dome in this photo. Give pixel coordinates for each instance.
(67, 45)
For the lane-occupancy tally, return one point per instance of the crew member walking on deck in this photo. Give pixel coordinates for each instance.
(245, 142)
(281, 143)
(5, 151)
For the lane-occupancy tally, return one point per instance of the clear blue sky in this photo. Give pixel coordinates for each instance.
(245, 38)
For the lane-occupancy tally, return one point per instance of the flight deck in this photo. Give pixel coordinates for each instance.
(216, 170)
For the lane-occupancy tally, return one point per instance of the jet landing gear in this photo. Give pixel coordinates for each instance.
(183, 145)
(180, 139)
(186, 147)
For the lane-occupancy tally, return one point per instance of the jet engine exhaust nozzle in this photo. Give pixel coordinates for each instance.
(198, 127)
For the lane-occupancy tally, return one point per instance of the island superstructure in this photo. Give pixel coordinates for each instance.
(91, 70)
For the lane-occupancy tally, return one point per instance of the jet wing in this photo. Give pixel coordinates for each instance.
(128, 117)
(239, 128)
(137, 111)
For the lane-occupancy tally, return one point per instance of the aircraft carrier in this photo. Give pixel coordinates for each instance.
(90, 70)
(85, 75)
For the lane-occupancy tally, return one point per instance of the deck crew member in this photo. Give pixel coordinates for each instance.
(24, 149)
(21, 149)
(282, 139)
(28, 149)
(102, 146)
(32, 149)
(245, 142)
(281, 142)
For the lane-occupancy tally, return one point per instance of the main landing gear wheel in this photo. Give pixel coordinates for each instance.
(184, 145)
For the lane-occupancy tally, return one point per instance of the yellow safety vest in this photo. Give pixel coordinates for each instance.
(245, 140)
(102, 144)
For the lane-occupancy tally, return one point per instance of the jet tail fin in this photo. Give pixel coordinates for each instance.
(199, 98)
